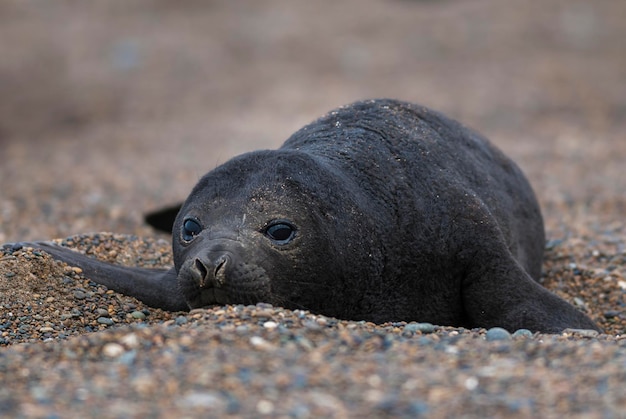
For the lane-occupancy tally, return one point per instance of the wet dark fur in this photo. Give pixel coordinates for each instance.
(399, 213)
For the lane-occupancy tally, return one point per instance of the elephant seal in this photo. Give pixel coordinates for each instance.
(380, 210)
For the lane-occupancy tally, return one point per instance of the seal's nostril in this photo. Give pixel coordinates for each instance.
(220, 265)
(201, 268)
(211, 272)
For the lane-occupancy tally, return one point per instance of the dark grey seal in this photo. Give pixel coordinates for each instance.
(381, 211)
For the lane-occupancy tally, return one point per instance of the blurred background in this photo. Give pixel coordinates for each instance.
(110, 109)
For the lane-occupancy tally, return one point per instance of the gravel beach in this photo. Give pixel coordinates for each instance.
(110, 110)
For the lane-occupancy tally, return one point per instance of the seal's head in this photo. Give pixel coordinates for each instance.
(267, 227)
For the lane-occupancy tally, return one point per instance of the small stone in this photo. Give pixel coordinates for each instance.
(522, 333)
(609, 314)
(46, 329)
(263, 312)
(100, 312)
(260, 343)
(180, 320)
(130, 340)
(79, 295)
(496, 334)
(270, 325)
(203, 400)
(138, 315)
(265, 407)
(311, 325)
(105, 320)
(242, 329)
(322, 321)
(112, 350)
(200, 311)
(420, 327)
(471, 383)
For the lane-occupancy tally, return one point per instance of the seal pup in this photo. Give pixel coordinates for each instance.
(380, 210)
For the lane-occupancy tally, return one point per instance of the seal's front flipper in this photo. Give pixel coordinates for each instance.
(163, 219)
(155, 287)
(500, 293)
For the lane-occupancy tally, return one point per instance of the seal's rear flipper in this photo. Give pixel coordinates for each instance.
(155, 287)
(163, 219)
(504, 295)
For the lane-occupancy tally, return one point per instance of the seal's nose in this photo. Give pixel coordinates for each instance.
(211, 270)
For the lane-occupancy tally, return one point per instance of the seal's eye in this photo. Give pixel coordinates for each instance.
(191, 228)
(280, 232)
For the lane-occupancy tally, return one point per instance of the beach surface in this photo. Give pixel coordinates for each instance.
(112, 109)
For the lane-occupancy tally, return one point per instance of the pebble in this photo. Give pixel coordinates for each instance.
(497, 334)
(420, 327)
(265, 407)
(100, 312)
(138, 315)
(260, 343)
(105, 320)
(609, 314)
(206, 400)
(180, 320)
(80, 295)
(112, 350)
(522, 333)
(130, 340)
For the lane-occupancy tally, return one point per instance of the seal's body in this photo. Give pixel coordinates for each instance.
(380, 211)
